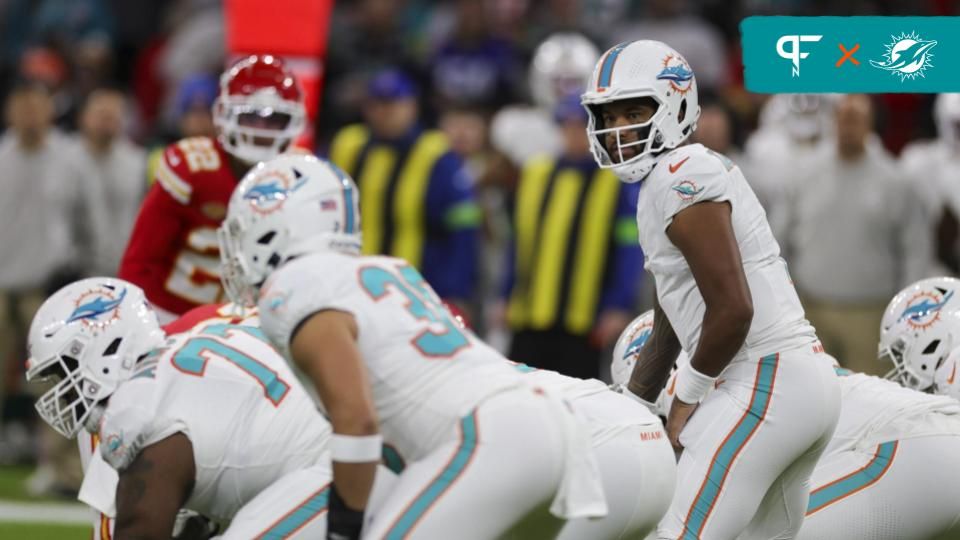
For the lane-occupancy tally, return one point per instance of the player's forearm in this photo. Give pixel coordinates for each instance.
(722, 336)
(354, 481)
(657, 357)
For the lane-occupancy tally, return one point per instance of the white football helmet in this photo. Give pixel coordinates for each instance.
(920, 327)
(641, 69)
(946, 113)
(291, 205)
(945, 378)
(85, 339)
(626, 352)
(627, 349)
(561, 66)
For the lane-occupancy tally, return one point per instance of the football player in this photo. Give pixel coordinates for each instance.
(172, 252)
(724, 293)
(392, 368)
(892, 446)
(211, 420)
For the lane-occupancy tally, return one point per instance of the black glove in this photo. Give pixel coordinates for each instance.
(343, 523)
(197, 527)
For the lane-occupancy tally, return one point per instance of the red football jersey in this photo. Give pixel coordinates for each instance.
(173, 254)
(224, 313)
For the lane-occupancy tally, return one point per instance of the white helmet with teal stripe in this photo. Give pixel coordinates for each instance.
(640, 69)
(292, 205)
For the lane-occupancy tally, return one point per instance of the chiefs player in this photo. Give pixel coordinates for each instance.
(172, 254)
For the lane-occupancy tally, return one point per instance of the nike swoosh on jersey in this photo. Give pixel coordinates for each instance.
(676, 166)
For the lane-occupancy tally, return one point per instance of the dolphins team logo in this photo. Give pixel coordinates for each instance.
(907, 56)
(677, 73)
(640, 338)
(98, 307)
(687, 189)
(924, 308)
(272, 188)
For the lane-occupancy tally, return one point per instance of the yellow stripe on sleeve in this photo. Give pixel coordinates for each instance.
(373, 184)
(410, 201)
(533, 184)
(347, 145)
(551, 256)
(591, 254)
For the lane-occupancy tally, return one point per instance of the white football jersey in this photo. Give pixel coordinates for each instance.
(875, 410)
(693, 174)
(425, 373)
(249, 421)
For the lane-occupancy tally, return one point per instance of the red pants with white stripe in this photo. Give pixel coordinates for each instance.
(750, 448)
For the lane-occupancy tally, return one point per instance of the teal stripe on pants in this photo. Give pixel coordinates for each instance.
(312, 507)
(723, 459)
(848, 485)
(422, 503)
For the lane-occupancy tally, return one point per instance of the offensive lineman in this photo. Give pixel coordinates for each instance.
(393, 369)
(212, 421)
(172, 252)
(724, 293)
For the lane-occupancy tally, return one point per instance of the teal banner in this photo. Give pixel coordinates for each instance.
(851, 54)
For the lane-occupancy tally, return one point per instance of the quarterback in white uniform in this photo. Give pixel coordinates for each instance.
(211, 421)
(724, 293)
(892, 468)
(392, 368)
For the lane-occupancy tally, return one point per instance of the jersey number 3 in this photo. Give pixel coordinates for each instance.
(192, 359)
(422, 303)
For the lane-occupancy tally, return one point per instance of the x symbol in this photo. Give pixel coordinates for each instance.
(847, 55)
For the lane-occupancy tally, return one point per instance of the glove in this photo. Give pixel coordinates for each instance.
(343, 522)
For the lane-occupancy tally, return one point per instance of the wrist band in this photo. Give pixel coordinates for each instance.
(692, 385)
(356, 449)
(652, 407)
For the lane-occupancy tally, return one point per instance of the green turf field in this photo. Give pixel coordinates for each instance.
(12, 491)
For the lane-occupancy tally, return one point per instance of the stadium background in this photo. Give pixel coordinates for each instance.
(162, 59)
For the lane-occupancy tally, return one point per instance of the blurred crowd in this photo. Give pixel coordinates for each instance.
(857, 188)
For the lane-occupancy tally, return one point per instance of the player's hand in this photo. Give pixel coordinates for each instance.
(680, 412)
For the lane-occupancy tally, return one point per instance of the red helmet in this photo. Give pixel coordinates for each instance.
(260, 108)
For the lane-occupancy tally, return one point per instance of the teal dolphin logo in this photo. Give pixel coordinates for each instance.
(675, 74)
(916, 312)
(638, 343)
(687, 189)
(96, 307)
(275, 189)
(907, 56)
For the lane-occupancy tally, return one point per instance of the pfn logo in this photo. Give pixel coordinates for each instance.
(794, 54)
